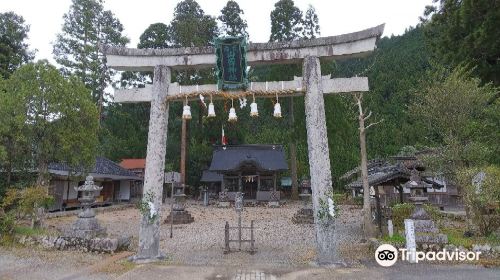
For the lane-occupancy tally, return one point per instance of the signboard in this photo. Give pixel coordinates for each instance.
(172, 177)
(231, 64)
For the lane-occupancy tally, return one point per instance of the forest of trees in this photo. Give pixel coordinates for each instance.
(450, 50)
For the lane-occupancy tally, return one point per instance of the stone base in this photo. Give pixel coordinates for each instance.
(86, 228)
(180, 217)
(273, 204)
(426, 232)
(433, 238)
(141, 260)
(224, 204)
(304, 216)
(101, 245)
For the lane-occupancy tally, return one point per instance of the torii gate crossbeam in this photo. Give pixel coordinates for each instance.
(313, 85)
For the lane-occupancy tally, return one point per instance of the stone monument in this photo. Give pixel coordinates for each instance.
(87, 226)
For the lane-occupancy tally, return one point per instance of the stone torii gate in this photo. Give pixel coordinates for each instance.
(312, 84)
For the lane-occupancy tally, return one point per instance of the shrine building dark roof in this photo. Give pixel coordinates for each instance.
(211, 177)
(262, 157)
(102, 169)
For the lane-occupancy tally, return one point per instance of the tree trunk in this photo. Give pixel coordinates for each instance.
(42, 180)
(293, 155)
(367, 215)
(183, 151)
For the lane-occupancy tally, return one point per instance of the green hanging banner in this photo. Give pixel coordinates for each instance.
(231, 65)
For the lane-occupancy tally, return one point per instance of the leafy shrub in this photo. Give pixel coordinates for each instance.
(395, 239)
(482, 200)
(26, 202)
(400, 212)
(7, 223)
(358, 200)
(433, 212)
(340, 198)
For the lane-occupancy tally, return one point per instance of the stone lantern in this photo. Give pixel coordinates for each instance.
(426, 231)
(305, 194)
(305, 215)
(87, 226)
(179, 215)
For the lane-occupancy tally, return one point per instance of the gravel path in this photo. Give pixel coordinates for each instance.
(279, 242)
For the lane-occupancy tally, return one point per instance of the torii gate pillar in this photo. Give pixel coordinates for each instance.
(149, 233)
(319, 159)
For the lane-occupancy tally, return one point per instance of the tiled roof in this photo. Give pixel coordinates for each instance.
(133, 163)
(103, 166)
(263, 157)
(209, 176)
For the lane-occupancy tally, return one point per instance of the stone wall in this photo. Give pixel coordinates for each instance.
(101, 245)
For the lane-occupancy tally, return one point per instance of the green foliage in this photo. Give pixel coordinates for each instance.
(311, 23)
(232, 23)
(466, 32)
(7, 223)
(358, 200)
(26, 202)
(13, 47)
(52, 119)
(400, 212)
(433, 212)
(396, 239)
(190, 26)
(482, 199)
(456, 237)
(455, 111)
(286, 21)
(156, 36)
(340, 198)
(86, 28)
(28, 231)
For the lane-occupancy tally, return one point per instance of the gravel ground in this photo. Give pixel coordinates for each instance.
(279, 242)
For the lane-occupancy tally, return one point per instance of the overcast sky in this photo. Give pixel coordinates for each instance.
(335, 16)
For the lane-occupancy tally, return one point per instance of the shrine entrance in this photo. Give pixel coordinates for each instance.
(250, 186)
(312, 85)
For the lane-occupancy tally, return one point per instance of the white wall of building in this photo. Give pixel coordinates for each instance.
(124, 190)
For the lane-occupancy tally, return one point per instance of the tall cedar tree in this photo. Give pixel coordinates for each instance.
(190, 26)
(13, 47)
(311, 23)
(156, 36)
(287, 25)
(232, 22)
(286, 21)
(466, 31)
(87, 27)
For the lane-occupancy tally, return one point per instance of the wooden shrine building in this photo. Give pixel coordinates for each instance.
(253, 169)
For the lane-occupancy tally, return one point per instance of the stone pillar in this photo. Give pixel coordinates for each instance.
(319, 160)
(149, 233)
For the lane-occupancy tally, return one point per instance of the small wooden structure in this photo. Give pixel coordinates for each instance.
(251, 169)
(116, 182)
(390, 182)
